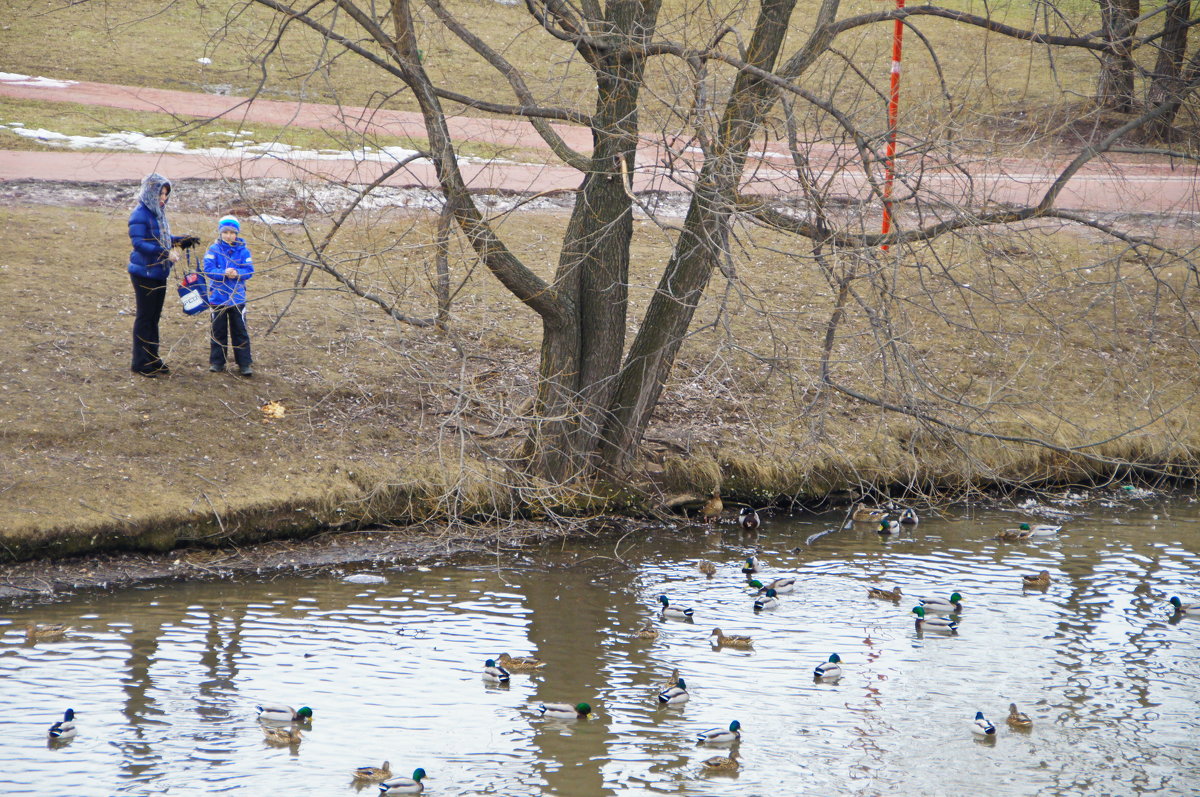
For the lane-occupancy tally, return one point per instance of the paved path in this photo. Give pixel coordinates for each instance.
(1108, 187)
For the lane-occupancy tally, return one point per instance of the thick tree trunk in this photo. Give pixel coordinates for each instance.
(1167, 83)
(670, 313)
(580, 358)
(1115, 88)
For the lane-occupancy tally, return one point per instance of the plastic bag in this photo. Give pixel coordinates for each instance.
(193, 293)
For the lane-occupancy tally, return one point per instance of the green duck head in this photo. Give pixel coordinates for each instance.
(305, 712)
(490, 663)
(955, 598)
(919, 611)
(1024, 527)
(735, 726)
(418, 774)
(1178, 604)
(834, 658)
(756, 583)
(681, 684)
(663, 600)
(583, 709)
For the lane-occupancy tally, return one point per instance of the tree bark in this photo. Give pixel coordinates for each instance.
(1115, 88)
(698, 248)
(581, 357)
(1167, 83)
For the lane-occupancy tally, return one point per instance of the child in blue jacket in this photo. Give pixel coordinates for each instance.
(227, 266)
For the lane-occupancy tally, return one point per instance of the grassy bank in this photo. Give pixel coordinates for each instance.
(1045, 333)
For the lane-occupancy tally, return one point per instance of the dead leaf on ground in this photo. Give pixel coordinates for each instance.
(272, 411)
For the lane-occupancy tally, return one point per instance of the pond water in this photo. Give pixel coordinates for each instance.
(165, 677)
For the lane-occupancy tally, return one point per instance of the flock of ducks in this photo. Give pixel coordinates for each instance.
(283, 725)
(933, 614)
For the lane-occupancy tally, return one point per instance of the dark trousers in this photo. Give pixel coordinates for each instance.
(149, 295)
(229, 322)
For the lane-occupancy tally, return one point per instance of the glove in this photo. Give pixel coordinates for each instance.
(188, 241)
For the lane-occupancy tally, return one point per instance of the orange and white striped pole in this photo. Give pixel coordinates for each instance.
(889, 164)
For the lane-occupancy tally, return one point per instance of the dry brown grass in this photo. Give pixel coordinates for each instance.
(1060, 336)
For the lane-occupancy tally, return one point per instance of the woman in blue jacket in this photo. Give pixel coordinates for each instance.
(149, 266)
(227, 266)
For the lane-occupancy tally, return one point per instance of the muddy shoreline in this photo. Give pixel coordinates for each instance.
(408, 547)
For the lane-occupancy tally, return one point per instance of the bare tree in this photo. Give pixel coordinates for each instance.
(1168, 83)
(1115, 89)
(595, 392)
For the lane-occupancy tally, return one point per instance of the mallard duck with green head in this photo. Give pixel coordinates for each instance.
(908, 517)
(674, 612)
(888, 526)
(1184, 608)
(674, 695)
(935, 623)
(494, 674)
(413, 785)
(1040, 529)
(942, 605)
(768, 601)
(782, 586)
(731, 640)
(65, 728)
(565, 711)
(282, 713)
(831, 670)
(751, 565)
(981, 727)
(721, 735)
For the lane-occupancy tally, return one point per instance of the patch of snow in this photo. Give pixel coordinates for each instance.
(140, 142)
(35, 82)
(267, 218)
(205, 61)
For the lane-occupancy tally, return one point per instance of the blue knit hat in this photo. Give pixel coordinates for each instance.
(229, 221)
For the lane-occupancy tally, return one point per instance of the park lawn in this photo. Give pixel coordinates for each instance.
(1044, 333)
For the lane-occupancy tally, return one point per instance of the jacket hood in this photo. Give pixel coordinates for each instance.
(151, 185)
(148, 196)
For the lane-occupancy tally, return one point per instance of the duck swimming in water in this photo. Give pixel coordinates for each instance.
(1018, 719)
(981, 727)
(411, 785)
(749, 519)
(830, 670)
(65, 728)
(942, 624)
(674, 612)
(721, 735)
